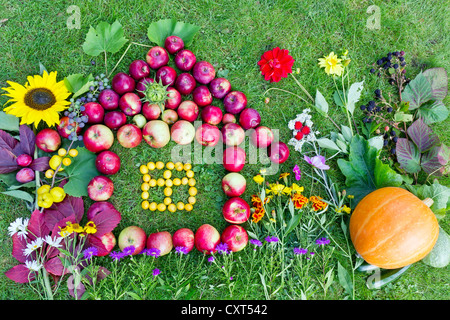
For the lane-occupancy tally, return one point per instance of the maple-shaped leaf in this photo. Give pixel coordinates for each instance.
(104, 38)
(105, 216)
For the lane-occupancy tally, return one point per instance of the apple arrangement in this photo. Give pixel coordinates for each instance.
(232, 134)
(219, 87)
(166, 75)
(94, 111)
(249, 118)
(201, 96)
(25, 175)
(185, 83)
(174, 98)
(151, 111)
(212, 115)
(156, 133)
(182, 132)
(278, 152)
(133, 236)
(48, 140)
(234, 184)
(157, 57)
(123, 83)
(206, 239)
(161, 241)
(261, 137)
(107, 162)
(139, 120)
(139, 69)
(234, 159)
(129, 135)
(203, 72)
(234, 102)
(109, 99)
(109, 242)
(185, 60)
(235, 237)
(208, 135)
(98, 138)
(63, 127)
(183, 237)
(236, 210)
(228, 118)
(188, 110)
(141, 85)
(114, 119)
(173, 44)
(24, 160)
(100, 188)
(169, 116)
(130, 104)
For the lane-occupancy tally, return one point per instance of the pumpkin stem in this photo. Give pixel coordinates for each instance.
(428, 202)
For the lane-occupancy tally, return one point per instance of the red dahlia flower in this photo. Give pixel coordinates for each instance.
(276, 64)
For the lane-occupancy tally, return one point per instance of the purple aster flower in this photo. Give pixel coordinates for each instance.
(90, 252)
(300, 251)
(222, 248)
(155, 272)
(211, 259)
(272, 239)
(181, 250)
(153, 252)
(322, 241)
(116, 256)
(298, 173)
(128, 251)
(256, 242)
(317, 161)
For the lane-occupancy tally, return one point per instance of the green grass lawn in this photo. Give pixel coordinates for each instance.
(232, 37)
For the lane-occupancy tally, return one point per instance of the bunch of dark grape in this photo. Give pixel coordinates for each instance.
(76, 108)
(374, 108)
(393, 67)
(390, 139)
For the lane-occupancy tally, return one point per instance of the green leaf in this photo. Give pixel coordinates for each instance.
(354, 93)
(8, 122)
(437, 77)
(337, 98)
(345, 280)
(78, 83)
(439, 256)
(385, 176)
(157, 32)
(408, 156)
(417, 92)
(434, 112)
(403, 117)
(80, 173)
(20, 195)
(327, 144)
(321, 103)
(440, 195)
(104, 38)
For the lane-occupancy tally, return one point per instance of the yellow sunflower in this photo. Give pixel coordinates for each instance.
(42, 98)
(332, 64)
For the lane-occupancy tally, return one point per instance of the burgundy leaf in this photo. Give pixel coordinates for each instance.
(433, 161)
(96, 242)
(20, 274)
(27, 141)
(7, 161)
(71, 286)
(55, 267)
(60, 223)
(407, 155)
(105, 217)
(40, 164)
(37, 225)
(422, 135)
(19, 244)
(7, 141)
(70, 206)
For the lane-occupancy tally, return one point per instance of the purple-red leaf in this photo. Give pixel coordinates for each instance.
(20, 274)
(19, 244)
(422, 135)
(40, 164)
(27, 141)
(37, 225)
(434, 161)
(55, 267)
(105, 217)
(408, 155)
(70, 206)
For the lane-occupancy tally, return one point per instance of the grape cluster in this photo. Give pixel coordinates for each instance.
(374, 108)
(76, 108)
(393, 66)
(390, 139)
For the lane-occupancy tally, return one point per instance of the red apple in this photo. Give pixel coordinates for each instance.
(109, 242)
(133, 236)
(206, 239)
(100, 188)
(174, 98)
(232, 134)
(130, 104)
(123, 83)
(161, 241)
(235, 237)
(139, 69)
(183, 237)
(107, 162)
(278, 152)
(212, 115)
(233, 184)
(157, 57)
(208, 135)
(185, 83)
(249, 118)
(151, 111)
(109, 99)
(234, 159)
(156, 133)
(129, 135)
(141, 85)
(219, 87)
(188, 110)
(173, 44)
(182, 132)
(94, 111)
(166, 75)
(261, 137)
(114, 119)
(234, 102)
(185, 60)
(169, 116)
(236, 210)
(64, 125)
(48, 140)
(228, 118)
(25, 175)
(203, 72)
(24, 160)
(202, 97)
(98, 138)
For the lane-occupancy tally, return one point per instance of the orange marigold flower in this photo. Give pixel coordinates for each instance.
(258, 214)
(299, 200)
(317, 203)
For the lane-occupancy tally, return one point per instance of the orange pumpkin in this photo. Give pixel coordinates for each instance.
(392, 228)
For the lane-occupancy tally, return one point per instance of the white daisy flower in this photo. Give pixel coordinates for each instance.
(34, 245)
(33, 265)
(54, 242)
(19, 226)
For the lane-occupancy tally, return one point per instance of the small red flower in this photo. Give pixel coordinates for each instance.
(299, 135)
(298, 125)
(306, 130)
(276, 64)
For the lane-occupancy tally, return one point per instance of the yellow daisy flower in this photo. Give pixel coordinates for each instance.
(42, 98)
(258, 179)
(296, 188)
(332, 64)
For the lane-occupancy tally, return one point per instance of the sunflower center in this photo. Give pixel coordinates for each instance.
(40, 99)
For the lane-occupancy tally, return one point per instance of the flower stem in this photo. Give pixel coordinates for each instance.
(301, 87)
